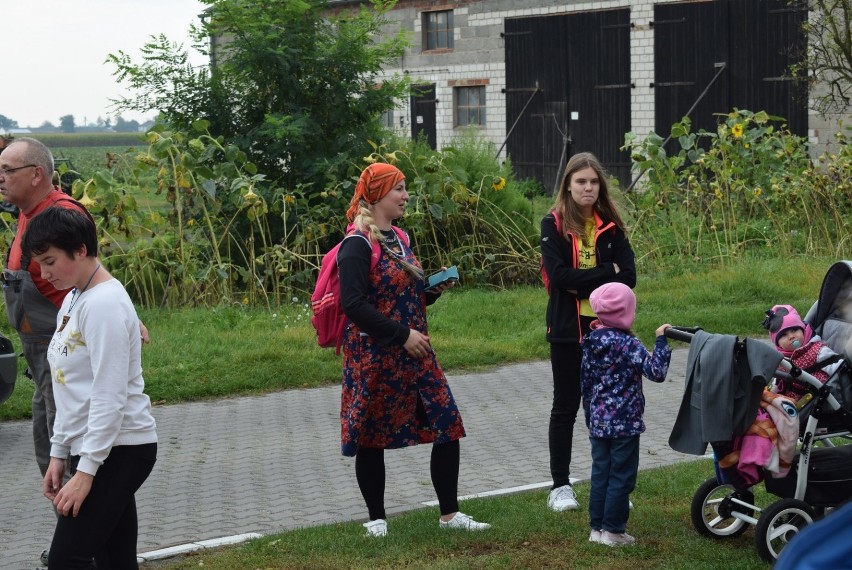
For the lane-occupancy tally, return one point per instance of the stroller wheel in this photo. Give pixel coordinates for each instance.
(713, 506)
(778, 524)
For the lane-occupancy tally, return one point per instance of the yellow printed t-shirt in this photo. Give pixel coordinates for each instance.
(587, 260)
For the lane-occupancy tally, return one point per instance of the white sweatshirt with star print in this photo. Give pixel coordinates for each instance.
(96, 366)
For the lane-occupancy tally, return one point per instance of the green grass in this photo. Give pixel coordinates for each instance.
(525, 534)
(235, 350)
(203, 353)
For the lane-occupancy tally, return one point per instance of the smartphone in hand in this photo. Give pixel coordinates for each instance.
(445, 276)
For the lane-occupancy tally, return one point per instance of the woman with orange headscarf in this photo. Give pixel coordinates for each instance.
(394, 391)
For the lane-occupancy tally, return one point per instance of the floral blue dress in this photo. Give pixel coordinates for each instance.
(391, 399)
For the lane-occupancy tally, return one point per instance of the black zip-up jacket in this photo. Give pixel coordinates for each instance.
(569, 284)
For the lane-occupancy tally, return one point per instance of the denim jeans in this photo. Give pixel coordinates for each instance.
(615, 463)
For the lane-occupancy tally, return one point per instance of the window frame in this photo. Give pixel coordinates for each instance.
(464, 110)
(432, 32)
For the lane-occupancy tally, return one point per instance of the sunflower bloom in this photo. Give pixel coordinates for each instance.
(498, 184)
(737, 131)
(251, 198)
(86, 200)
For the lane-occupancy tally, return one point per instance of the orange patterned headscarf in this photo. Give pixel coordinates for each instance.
(374, 183)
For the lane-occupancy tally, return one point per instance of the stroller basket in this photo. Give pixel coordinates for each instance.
(829, 477)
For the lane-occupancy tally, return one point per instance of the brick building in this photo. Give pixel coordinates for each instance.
(544, 79)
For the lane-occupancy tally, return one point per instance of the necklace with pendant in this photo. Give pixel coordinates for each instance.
(390, 240)
(74, 296)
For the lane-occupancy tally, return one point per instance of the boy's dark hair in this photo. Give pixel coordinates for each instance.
(64, 228)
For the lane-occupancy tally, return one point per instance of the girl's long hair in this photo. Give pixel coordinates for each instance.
(564, 204)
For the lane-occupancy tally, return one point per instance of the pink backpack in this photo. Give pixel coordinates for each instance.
(329, 319)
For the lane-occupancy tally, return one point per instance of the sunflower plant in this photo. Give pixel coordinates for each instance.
(749, 185)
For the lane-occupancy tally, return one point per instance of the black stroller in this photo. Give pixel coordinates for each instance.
(8, 368)
(821, 475)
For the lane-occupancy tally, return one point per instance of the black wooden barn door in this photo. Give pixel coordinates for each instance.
(536, 97)
(765, 40)
(755, 41)
(690, 47)
(567, 91)
(599, 87)
(423, 117)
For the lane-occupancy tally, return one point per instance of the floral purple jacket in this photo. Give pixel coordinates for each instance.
(614, 362)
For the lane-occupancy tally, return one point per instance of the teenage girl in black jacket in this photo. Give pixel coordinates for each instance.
(583, 246)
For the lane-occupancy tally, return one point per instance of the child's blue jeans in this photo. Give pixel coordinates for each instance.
(615, 463)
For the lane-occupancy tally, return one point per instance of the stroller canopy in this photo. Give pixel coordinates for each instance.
(831, 315)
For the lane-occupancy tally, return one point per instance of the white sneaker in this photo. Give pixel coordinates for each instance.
(563, 499)
(378, 527)
(616, 538)
(629, 504)
(464, 522)
(595, 536)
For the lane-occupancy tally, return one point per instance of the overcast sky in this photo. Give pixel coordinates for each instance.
(52, 53)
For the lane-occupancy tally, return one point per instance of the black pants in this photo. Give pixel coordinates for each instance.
(443, 466)
(105, 528)
(565, 361)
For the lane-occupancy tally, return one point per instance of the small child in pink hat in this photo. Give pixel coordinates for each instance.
(796, 340)
(614, 362)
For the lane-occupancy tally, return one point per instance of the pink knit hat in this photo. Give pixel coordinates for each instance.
(615, 305)
(781, 318)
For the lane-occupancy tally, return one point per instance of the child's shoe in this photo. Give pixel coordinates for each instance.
(616, 538)
(595, 536)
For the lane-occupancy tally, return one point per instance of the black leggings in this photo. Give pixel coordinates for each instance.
(444, 468)
(106, 527)
(565, 361)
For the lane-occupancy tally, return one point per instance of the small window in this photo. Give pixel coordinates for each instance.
(470, 106)
(438, 30)
(387, 119)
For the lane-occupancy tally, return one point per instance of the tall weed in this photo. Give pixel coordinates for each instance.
(748, 187)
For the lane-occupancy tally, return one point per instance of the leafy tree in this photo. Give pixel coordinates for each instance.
(7, 123)
(66, 123)
(829, 55)
(291, 83)
(47, 125)
(122, 126)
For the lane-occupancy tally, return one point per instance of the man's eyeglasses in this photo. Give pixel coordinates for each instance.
(7, 171)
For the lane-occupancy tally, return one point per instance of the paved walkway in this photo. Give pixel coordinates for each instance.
(272, 463)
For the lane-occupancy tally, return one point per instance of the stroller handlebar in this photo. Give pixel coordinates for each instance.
(683, 334)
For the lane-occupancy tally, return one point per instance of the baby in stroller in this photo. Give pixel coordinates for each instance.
(796, 340)
(819, 477)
